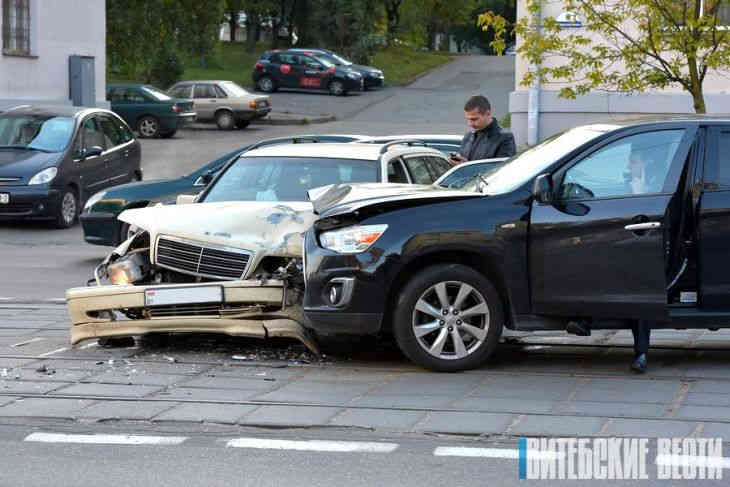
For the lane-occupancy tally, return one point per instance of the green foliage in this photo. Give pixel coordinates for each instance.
(166, 69)
(200, 23)
(506, 121)
(624, 46)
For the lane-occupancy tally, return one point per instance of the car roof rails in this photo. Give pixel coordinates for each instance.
(282, 140)
(408, 142)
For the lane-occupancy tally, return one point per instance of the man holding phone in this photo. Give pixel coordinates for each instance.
(486, 139)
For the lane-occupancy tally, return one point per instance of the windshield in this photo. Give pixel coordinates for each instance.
(45, 133)
(286, 178)
(156, 94)
(521, 168)
(327, 61)
(233, 89)
(466, 178)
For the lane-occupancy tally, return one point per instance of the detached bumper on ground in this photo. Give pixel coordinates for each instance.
(250, 308)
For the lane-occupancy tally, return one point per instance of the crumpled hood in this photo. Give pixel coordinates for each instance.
(347, 198)
(24, 163)
(271, 228)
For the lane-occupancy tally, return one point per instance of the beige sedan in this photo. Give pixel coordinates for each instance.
(224, 102)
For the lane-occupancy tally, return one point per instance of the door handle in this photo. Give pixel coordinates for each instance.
(634, 227)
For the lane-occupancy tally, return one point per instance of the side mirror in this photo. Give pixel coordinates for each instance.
(93, 151)
(542, 189)
(185, 199)
(204, 180)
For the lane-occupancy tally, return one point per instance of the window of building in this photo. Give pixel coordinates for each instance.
(16, 27)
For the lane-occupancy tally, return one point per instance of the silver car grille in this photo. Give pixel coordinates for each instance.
(200, 259)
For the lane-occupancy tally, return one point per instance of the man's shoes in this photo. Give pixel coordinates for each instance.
(639, 364)
(582, 329)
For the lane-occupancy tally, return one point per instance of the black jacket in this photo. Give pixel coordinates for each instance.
(489, 142)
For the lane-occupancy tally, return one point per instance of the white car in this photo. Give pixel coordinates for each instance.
(446, 143)
(232, 262)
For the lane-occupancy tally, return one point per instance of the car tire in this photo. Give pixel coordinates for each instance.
(68, 209)
(242, 124)
(148, 127)
(167, 135)
(224, 120)
(266, 84)
(434, 333)
(337, 88)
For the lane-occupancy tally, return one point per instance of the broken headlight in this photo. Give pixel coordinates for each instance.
(129, 269)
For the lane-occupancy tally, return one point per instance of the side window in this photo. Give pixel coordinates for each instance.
(112, 136)
(717, 173)
(438, 166)
(133, 96)
(419, 171)
(634, 165)
(124, 132)
(204, 91)
(89, 135)
(219, 92)
(396, 172)
(181, 91)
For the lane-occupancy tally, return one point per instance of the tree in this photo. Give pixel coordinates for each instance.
(426, 18)
(200, 25)
(625, 45)
(233, 9)
(392, 12)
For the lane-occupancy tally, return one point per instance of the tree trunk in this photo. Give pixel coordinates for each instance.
(252, 23)
(696, 86)
(233, 25)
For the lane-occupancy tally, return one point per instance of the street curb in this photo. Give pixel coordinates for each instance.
(294, 120)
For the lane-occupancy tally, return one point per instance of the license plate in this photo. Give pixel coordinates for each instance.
(183, 295)
(4, 198)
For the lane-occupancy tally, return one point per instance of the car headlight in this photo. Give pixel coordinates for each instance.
(353, 75)
(95, 198)
(352, 240)
(378, 74)
(45, 176)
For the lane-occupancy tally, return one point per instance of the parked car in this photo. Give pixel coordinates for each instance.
(53, 158)
(446, 143)
(465, 173)
(372, 77)
(224, 102)
(231, 263)
(294, 69)
(604, 223)
(99, 217)
(150, 111)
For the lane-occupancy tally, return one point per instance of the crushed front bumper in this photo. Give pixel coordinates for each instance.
(250, 308)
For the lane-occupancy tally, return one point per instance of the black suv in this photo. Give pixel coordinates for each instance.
(304, 70)
(604, 224)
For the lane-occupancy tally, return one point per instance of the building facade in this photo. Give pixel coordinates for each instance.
(552, 114)
(38, 39)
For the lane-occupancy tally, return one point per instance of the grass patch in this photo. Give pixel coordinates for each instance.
(402, 65)
(231, 61)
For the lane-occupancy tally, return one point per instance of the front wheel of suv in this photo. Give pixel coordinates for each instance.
(448, 318)
(337, 88)
(266, 84)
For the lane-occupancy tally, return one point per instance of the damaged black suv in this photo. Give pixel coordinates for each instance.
(604, 223)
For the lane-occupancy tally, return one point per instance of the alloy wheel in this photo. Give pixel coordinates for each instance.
(450, 320)
(68, 208)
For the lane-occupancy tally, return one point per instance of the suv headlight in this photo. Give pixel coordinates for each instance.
(352, 240)
(95, 198)
(45, 176)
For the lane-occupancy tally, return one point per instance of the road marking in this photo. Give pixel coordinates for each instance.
(26, 342)
(313, 445)
(54, 351)
(458, 451)
(89, 345)
(105, 439)
(692, 461)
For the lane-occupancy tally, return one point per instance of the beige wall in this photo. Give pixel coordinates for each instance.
(59, 29)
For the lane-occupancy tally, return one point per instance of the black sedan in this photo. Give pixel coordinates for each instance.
(304, 70)
(372, 77)
(604, 225)
(53, 158)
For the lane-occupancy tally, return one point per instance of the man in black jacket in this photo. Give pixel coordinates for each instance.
(486, 139)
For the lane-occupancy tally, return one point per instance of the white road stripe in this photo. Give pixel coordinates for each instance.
(693, 461)
(458, 451)
(53, 351)
(313, 445)
(26, 342)
(105, 439)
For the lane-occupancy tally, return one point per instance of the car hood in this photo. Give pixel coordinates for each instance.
(266, 228)
(148, 190)
(22, 163)
(347, 198)
(364, 69)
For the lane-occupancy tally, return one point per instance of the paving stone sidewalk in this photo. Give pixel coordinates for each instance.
(540, 384)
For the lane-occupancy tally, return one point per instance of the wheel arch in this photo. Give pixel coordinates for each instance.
(485, 264)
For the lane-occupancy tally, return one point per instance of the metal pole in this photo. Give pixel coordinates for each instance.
(533, 101)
